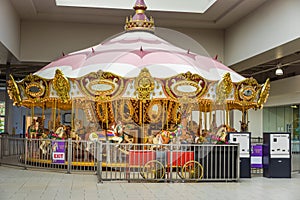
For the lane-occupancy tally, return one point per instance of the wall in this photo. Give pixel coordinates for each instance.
(45, 41)
(273, 24)
(205, 42)
(10, 27)
(284, 92)
(255, 118)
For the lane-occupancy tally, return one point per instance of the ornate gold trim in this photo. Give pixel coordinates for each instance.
(246, 90)
(264, 94)
(61, 85)
(144, 84)
(13, 91)
(172, 85)
(37, 86)
(105, 79)
(224, 88)
(97, 87)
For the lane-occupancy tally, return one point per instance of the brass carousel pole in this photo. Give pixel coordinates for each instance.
(72, 114)
(106, 115)
(43, 111)
(163, 116)
(167, 116)
(210, 119)
(54, 115)
(200, 120)
(140, 112)
(142, 124)
(227, 116)
(205, 120)
(116, 110)
(32, 113)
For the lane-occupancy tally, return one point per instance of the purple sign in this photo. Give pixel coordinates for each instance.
(58, 152)
(256, 156)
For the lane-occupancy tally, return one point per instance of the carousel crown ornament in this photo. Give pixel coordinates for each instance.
(139, 21)
(141, 80)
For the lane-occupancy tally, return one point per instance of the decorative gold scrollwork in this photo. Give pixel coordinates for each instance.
(247, 90)
(224, 88)
(103, 86)
(264, 93)
(61, 85)
(105, 113)
(144, 84)
(13, 91)
(35, 88)
(185, 87)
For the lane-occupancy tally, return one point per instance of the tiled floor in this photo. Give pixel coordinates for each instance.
(17, 183)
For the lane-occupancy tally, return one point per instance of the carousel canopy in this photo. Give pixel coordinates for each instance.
(138, 64)
(128, 53)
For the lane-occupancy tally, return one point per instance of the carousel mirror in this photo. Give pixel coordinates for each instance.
(154, 112)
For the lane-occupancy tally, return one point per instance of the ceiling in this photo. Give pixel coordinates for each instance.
(221, 15)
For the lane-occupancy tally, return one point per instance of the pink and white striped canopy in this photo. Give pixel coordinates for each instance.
(126, 54)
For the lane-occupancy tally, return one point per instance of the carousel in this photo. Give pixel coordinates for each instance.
(133, 87)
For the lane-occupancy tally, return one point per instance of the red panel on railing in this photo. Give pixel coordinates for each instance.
(179, 158)
(140, 158)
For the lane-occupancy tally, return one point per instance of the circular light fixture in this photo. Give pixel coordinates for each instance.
(279, 71)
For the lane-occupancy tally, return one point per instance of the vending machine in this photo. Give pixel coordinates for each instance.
(277, 155)
(244, 141)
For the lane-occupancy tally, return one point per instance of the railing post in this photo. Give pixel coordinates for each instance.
(99, 161)
(1, 150)
(238, 162)
(69, 155)
(171, 161)
(25, 152)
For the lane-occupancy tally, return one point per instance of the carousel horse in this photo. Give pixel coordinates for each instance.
(163, 137)
(79, 128)
(116, 135)
(74, 136)
(221, 135)
(34, 130)
(57, 135)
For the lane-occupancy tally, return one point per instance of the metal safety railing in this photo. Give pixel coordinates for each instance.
(295, 146)
(168, 163)
(129, 162)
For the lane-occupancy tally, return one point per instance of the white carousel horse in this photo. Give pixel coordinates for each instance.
(116, 135)
(58, 135)
(164, 137)
(221, 134)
